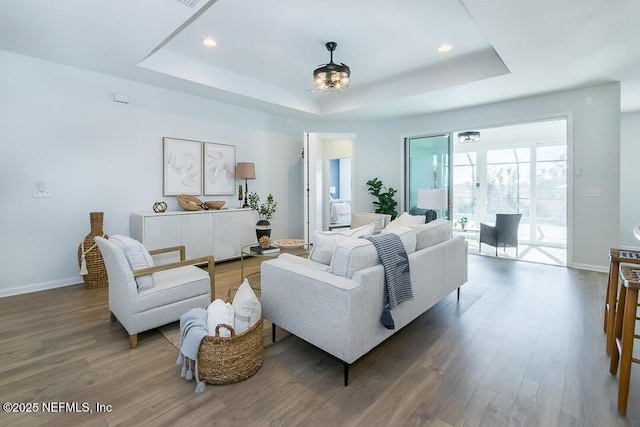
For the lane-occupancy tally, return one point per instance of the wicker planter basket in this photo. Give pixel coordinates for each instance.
(226, 360)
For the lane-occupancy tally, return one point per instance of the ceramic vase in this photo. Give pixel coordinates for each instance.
(263, 228)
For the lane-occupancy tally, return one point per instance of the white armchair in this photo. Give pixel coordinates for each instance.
(358, 219)
(143, 296)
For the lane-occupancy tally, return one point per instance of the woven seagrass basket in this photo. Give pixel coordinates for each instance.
(96, 276)
(226, 360)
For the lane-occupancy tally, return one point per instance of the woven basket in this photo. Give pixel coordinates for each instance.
(189, 203)
(96, 276)
(226, 360)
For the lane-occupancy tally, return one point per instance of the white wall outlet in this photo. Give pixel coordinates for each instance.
(41, 190)
(593, 192)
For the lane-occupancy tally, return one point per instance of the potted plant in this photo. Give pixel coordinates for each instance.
(462, 222)
(265, 212)
(385, 203)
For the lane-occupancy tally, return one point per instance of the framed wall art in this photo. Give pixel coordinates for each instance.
(219, 169)
(182, 167)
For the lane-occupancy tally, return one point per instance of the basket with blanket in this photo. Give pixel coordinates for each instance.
(224, 343)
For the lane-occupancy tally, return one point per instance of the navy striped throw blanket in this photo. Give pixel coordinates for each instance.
(397, 277)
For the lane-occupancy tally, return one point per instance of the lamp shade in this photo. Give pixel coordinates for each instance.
(432, 199)
(245, 170)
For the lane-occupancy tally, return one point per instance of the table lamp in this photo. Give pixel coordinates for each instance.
(245, 170)
(431, 199)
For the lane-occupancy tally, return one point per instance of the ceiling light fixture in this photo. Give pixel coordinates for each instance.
(445, 47)
(331, 77)
(469, 136)
(209, 42)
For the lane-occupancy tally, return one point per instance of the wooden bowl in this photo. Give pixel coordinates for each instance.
(189, 203)
(214, 204)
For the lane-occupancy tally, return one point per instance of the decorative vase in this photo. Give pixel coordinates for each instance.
(92, 267)
(263, 228)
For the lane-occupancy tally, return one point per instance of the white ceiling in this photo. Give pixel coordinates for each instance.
(267, 50)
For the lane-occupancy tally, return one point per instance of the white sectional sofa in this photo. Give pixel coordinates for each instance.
(337, 307)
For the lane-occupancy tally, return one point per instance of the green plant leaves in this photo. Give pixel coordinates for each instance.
(385, 203)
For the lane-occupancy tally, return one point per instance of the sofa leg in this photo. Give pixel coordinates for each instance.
(133, 341)
(112, 316)
(458, 293)
(273, 332)
(346, 373)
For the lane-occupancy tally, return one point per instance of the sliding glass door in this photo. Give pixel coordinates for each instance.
(427, 167)
(516, 169)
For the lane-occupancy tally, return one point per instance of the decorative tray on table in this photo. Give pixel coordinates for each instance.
(289, 243)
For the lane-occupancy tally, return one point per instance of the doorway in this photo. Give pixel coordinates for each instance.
(328, 175)
(516, 169)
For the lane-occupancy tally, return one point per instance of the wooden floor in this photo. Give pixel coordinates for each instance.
(523, 346)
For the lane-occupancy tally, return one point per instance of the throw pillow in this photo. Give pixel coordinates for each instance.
(220, 312)
(432, 233)
(246, 307)
(353, 254)
(407, 219)
(137, 256)
(326, 242)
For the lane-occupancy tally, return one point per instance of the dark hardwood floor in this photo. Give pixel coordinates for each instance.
(523, 346)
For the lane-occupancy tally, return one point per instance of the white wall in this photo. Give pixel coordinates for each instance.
(61, 125)
(629, 178)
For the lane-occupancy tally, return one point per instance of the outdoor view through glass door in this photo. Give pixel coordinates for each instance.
(427, 167)
(516, 169)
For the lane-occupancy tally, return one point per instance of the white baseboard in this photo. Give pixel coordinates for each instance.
(35, 287)
(598, 268)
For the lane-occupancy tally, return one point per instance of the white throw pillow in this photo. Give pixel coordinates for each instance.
(354, 254)
(246, 307)
(220, 312)
(137, 256)
(326, 242)
(432, 233)
(407, 219)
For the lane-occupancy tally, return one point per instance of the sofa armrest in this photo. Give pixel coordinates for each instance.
(319, 307)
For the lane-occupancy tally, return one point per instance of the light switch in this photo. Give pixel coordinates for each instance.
(593, 192)
(41, 190)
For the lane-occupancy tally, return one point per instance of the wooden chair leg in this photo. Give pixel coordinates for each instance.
(611, 306)
(628, 328)
(617, 331)
(133, 341)
(606, 302)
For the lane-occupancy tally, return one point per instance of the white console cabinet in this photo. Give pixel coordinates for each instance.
(221, 233)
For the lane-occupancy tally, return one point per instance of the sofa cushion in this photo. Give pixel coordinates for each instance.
(326, 242)
(247, 307)
(355, 254)
(137, 256)
(406, 219)
(172, 286)
(432, 233)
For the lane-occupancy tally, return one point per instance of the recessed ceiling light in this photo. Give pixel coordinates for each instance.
(209, 42)
(445, 47)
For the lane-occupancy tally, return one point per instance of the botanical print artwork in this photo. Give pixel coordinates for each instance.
(182, 167)
(219, 169)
